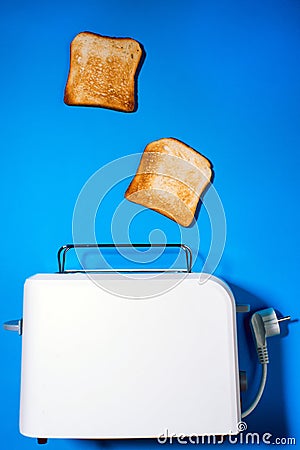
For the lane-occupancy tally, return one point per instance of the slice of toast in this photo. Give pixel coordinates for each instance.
(170, 180)
(103, 72)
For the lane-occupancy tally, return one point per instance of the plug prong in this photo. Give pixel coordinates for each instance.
(284, 318)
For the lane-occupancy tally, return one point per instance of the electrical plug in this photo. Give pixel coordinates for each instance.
(265, 324)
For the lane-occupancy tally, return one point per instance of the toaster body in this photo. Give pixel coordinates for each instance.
(96, 364)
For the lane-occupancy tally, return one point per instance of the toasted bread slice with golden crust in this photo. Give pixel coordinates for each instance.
(103, 72)
(170, 179)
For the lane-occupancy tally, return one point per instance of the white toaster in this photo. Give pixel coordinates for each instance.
(96, 364)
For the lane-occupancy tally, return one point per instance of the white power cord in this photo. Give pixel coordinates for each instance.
(263, 324)
(259, 393)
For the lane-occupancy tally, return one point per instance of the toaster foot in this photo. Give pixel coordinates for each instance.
(42, 440)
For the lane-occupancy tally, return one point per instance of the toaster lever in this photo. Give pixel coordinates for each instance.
(14, 325)
(242, 308)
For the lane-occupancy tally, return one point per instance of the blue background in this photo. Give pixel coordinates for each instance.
(222, 77)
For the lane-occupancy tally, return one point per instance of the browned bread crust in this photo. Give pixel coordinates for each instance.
(103, 72)
(170, 179)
